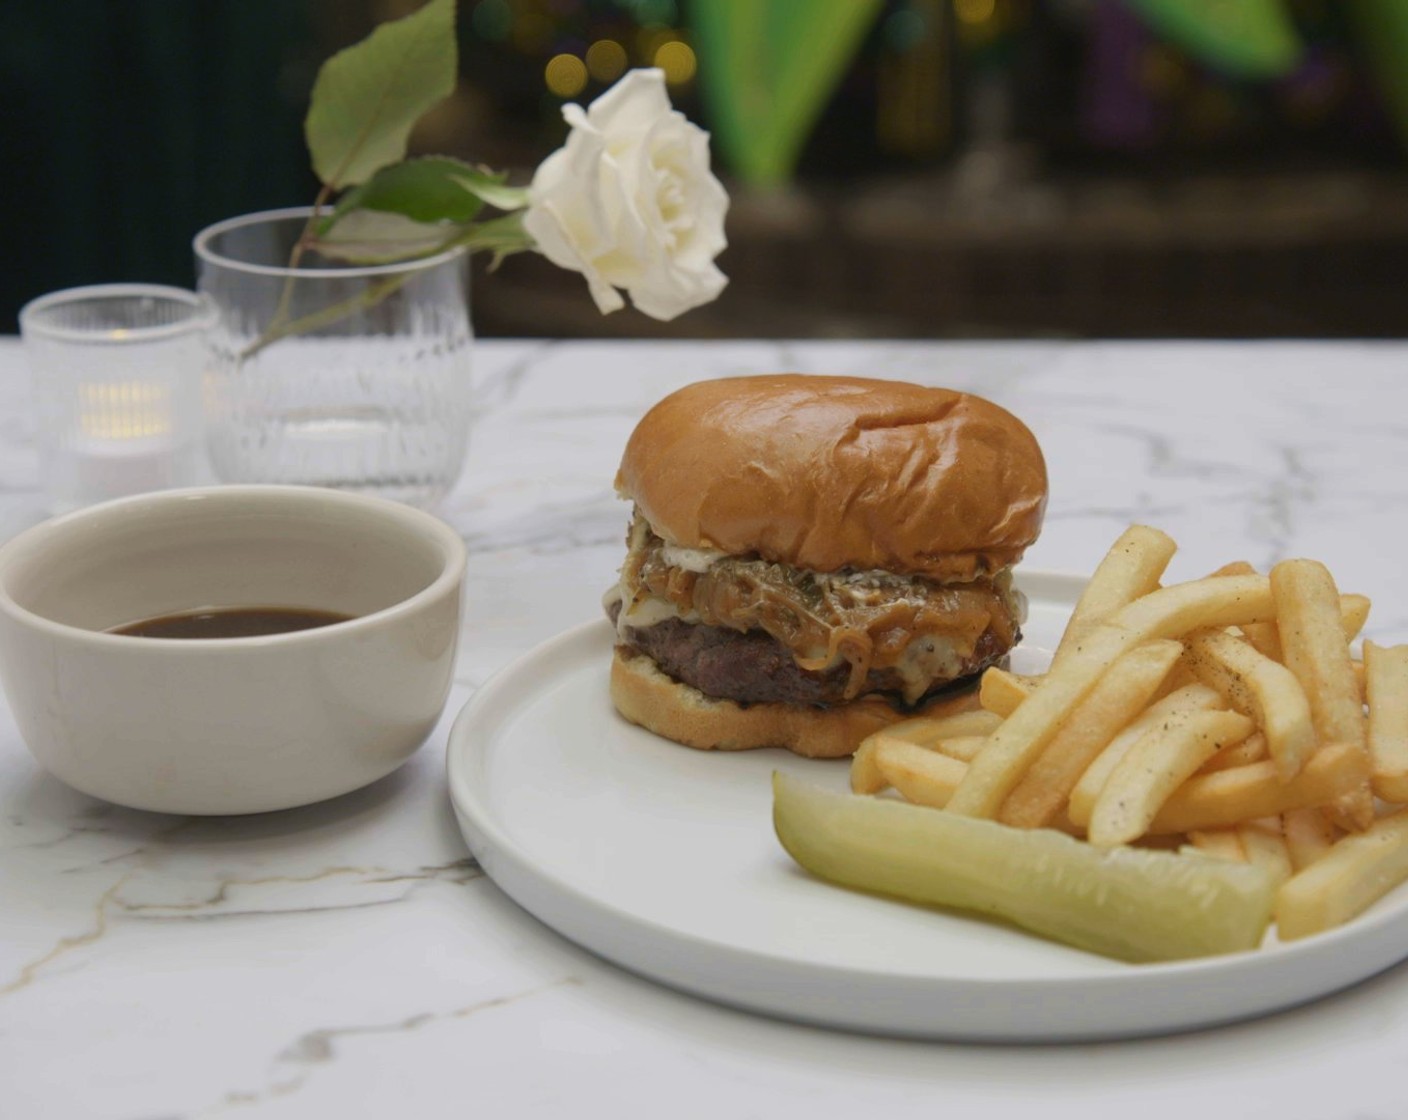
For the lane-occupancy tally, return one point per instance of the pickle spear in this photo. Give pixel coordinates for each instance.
(1130, 903)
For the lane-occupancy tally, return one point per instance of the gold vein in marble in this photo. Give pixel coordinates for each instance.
(319, 1046)
(458, 871)
(64, 945)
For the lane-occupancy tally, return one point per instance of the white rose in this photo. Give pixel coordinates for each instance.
(629, 201)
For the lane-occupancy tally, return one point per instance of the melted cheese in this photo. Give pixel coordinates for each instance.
(925, 660)
(691, 559)
(643, 612)
(646, 611)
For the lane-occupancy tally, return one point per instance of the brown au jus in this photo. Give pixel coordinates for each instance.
(230, 622)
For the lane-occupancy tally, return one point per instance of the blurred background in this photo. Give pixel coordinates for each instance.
(899, 168)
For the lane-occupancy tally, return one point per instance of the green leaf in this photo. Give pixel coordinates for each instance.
(767, 69)
(380, 237)
(432, 189)
(377, 237)
(367, 98)
(1383, 39)
(424, 190)
(1246, 39)
(491, 187)
(501, 236)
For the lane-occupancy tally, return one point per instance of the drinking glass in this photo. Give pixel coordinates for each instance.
(327, 374)
(116, 374)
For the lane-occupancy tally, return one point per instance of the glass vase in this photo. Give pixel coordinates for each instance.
(326, 374)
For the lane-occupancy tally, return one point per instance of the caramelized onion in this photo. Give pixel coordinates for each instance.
(869, 619)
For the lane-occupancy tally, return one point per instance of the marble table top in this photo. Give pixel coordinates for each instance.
(350, 959)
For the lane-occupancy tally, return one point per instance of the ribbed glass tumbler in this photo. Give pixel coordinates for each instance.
(324, 374)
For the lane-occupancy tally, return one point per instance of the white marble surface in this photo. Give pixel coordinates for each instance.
(349, 959)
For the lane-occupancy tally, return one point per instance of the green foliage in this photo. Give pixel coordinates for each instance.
(424, 190)
(364, 104)
(382, 237)
(500, 236)
(431, 189)
(767, 69)
(417, 208)
(1383, 27)
(1246, 39)
(367, 98)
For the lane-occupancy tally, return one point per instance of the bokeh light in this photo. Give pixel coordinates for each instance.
(1162, 72)
(531, 32)
(974, 11)
(904, 30)
(566, 75)
(606, 60)
(492, 20)
(659, 12)
(649, 40)
(678, 61)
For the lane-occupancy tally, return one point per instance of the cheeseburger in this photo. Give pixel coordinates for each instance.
(811, 558)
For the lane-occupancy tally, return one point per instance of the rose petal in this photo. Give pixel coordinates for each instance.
(631, 105)
(630, 201)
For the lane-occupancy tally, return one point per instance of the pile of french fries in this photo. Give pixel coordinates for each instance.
(1227, 714)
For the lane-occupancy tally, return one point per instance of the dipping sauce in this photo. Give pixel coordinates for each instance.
(230, 622)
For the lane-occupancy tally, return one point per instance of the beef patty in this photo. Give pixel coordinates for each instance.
(752, 667)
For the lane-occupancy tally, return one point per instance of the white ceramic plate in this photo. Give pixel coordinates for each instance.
(663, 860)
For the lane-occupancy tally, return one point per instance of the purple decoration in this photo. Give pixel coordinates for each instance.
(1314, 77)
(1115, 109)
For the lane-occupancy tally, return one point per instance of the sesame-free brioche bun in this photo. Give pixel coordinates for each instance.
(826, 473)
(659, 703)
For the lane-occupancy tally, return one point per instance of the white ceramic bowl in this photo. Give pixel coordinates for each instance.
(231, 725)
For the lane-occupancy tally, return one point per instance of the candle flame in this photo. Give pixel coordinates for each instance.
(124, 410)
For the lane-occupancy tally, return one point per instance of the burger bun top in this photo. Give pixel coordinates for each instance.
(827, 473)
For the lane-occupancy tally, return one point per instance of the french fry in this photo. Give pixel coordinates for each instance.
(1346, 881)
(1118, 697)
(1256, 686)
(962, 747)
(1177, 677)
(1221, 842)
(1229, 797)
(1012, 747)
(1156, 765)
(1316, 651)
(1249, 750)
(1354, 613)
(966, 729)
(926, 730)
(1001, 692)
(1386, 688)
(1265, 636)
(1132, 567)
(1309, 835)
(1166, 613)
(1191, 698)
(1172, 612)
(866, 776)
(1265, 845)
(1235, 568)
(922, 776)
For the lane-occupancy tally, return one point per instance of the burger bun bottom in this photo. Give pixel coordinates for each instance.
(649, 697)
